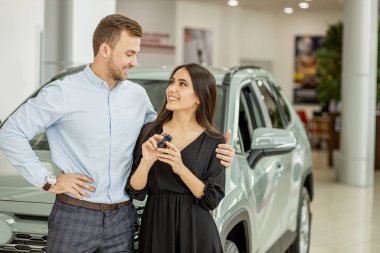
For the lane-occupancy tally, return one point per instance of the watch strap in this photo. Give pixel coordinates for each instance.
(46, 186)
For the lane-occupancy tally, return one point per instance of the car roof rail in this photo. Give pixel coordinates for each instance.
(69, 71)
(232, 71)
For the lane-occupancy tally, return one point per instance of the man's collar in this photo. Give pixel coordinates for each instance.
(94, 79)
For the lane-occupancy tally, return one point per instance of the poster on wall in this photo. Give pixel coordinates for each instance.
(305, 69)
(197, 46)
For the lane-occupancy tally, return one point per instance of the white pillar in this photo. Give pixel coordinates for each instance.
(355, 161)
(69, 25)
(57, 37)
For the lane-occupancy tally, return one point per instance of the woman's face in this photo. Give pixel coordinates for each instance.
(180, 93)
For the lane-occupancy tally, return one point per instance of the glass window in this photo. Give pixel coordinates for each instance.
(254, 108)
(283, 104)
(250, 118)
(272, 109)
(245, 125)
(156, 91)
(40, 142)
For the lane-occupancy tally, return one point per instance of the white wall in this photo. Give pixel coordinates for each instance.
(223, 22)
(21, 22)
(286, 28)
(172, 17)
(154, 16)
(253, 35)
(269, 36)
(86, 16)
(199, 15)
(232, 34)
(257, 35)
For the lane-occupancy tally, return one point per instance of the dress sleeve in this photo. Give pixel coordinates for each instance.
(214, 181)
(137, 155)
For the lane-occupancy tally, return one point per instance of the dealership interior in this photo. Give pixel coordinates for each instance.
(331, 79)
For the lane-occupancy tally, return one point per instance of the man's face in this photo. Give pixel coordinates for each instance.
(123, 56)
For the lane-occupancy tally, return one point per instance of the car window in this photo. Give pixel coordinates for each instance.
(156, 91)
(245, 125)
(40, 142)
(250, 118)
(270, 103)
(254, 107)
(282, 104)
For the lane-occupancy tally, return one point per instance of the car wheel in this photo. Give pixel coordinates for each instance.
(230, 247)
(302, 242)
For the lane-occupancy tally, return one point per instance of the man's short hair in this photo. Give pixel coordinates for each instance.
(110, 28)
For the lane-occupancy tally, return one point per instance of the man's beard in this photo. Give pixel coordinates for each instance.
(115, 72)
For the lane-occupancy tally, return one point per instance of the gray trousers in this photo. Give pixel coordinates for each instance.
(75, 229)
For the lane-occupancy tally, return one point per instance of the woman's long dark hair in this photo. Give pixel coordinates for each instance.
(204, 86)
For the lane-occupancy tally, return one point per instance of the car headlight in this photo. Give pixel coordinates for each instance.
(6, 233)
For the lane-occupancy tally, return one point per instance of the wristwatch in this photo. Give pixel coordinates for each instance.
(50, 180)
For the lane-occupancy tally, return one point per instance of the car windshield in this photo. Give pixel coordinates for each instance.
(156, 91)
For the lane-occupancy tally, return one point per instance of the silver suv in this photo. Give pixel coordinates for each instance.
(268, 188)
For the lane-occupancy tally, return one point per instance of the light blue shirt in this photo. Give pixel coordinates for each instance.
(91, 131)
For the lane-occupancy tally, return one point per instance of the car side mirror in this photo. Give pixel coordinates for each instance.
(269, 142)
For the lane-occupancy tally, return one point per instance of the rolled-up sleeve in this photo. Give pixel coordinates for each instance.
(214, 182)
(30, 119)
(150, 114)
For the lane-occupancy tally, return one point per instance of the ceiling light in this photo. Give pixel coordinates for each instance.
(233, 3)
(304, 5)
(288, 10)
(308, 0)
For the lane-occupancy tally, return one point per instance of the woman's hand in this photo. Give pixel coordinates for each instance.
(149, 149)
(172, 156)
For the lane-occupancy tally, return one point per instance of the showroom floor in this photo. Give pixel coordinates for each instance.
(345, 219)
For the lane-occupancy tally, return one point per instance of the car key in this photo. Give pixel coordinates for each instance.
(162, 143)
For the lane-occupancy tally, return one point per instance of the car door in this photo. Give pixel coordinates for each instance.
(278, 168)
(263, 178)
(292, 173)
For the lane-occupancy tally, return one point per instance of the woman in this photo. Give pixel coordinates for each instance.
(185, 180)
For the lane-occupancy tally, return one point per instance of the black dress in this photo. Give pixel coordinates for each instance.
(174, 221)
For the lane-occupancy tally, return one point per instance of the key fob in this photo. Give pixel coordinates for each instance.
(161, 143)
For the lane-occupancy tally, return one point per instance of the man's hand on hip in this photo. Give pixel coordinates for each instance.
(73, 183)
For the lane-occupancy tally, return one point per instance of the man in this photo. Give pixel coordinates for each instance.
(92, 121)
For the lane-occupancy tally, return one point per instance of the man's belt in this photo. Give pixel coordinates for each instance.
(105, 208)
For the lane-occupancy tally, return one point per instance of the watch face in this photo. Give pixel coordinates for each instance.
(50, 179)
